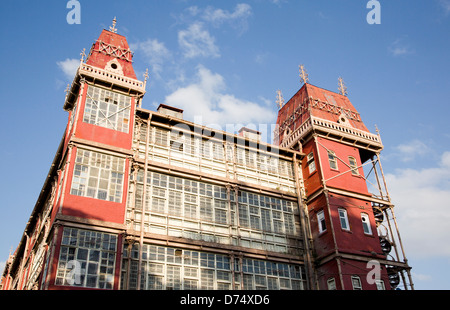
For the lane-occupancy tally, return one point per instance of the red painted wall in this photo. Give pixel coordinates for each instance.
(350, 268)
(313, 180)
(354, 241)
(101, 134)
(323, 242)
(345, 181)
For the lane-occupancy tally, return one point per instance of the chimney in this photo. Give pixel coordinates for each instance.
(170, 111)
(250, 134)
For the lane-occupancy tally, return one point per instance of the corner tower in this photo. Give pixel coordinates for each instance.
(352, 229)
(77, 222)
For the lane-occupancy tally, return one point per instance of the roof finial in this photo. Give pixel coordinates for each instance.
(146, 75)
(303, 75)
(113, 28)
(83, 54)
(280, 100)
(341, 87)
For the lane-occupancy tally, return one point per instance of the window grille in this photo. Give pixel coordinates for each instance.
(178, 269)
(107, 109)
(98, 175)
(92, 253)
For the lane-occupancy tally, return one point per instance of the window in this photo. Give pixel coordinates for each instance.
(107, 109)
(353, 165)
(311, 163)
(331, 283)
(177, 141)
(380, 285)
(321, 222)
(344, 219)
(169, 268)
(98, 176)
(87, 259)
(366, 223)
(332, 160)
(356, 283)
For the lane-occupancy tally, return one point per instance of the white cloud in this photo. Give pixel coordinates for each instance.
(69, 67)
(421, 197)
(237, 18)
(445, 5)
(411, 150)
(400, 48)
(155, 53)
(205, 102)
(196, 41)
(421, 277)
(261, 58)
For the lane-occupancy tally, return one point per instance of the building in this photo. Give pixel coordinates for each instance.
(140, 199)
(352, 228)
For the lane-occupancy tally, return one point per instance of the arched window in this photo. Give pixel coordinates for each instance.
(366, 223)
(332, 160)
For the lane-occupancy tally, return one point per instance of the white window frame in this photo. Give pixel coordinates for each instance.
(311, 163)
(353, 165)
(356, 283)
(98, 175)
(331, 284)
(98, 264)
(107, 109)
(320, 220)
(366, 223)
(332, 159)
(380, 285)
(343, 218)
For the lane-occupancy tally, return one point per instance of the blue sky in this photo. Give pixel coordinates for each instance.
(223, 61)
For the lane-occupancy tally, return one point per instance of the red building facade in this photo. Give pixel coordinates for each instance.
(138, 199)
(344, 216)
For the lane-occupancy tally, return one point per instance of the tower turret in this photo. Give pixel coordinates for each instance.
(347, 221)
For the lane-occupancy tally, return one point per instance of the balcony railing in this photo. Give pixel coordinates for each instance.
(314, 123)
(111, 77)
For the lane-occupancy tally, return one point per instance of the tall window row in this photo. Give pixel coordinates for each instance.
(180, 207)
(167, 268)
(195, 146)
(191, 199)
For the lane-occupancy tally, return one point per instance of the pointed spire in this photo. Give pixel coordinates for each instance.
(280, 100)
(113, 28)
(341, 87)
(303, 75)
